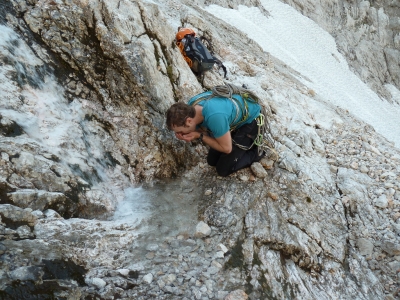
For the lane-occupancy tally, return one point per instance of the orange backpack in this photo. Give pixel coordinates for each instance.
(195, 53)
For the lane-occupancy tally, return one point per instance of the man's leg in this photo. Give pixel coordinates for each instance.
(213, 157)
(239, 158)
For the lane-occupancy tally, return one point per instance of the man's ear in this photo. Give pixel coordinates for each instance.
(189, 121)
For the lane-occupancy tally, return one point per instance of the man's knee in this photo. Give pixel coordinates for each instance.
(223, 171)
(212, 161)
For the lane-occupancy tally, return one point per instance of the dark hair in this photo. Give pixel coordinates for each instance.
(178, 113)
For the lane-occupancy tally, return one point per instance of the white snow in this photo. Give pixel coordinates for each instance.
(307, 48)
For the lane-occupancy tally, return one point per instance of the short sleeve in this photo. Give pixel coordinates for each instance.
(218, 124)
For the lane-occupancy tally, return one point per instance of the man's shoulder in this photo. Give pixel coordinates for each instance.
(199, 97)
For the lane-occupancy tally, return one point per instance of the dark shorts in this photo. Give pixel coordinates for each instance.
(238, 159)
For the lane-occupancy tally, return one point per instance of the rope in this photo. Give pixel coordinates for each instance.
(264, 139)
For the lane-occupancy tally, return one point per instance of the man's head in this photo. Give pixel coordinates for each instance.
(180, 118)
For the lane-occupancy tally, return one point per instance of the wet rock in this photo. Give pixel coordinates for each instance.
(9, 128)
(27, 273)
(37, 200)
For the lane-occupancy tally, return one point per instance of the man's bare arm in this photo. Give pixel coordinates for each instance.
(221, 144)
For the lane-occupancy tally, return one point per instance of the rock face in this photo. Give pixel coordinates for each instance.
(367, 33)
(321, 221)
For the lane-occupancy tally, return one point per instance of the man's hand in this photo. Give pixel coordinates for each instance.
(188, 137)
(221, 144)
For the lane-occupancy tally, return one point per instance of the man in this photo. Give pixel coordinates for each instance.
(227, 124)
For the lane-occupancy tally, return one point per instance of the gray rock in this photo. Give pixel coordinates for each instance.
(123, 51)
(222, 248)
(202, 230)
(381, 201)
(124, 272)
(17, 215)
(258, 170)
(27, 273)
(49, 213)
(267, 163)
(364, 169)
(395, 266)
(148, 278)
(96, 282)
(24, 232)
(365, 246)
(237, 295)
(391, 248)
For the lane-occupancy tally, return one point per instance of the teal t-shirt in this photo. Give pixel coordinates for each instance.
(220, 112)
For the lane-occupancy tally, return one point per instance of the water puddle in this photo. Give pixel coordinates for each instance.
(164, 208)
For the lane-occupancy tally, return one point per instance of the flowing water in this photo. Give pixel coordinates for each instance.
(167, 207)
(31, 97)
(160, 210)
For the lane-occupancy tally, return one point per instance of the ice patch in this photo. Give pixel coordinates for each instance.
(308, 49)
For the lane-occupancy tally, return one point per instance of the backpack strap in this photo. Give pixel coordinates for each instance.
(181, 47)
(219, 63)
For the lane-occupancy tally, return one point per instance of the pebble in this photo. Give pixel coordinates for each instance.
(381, 202)
(148, 278)
(123, 272)
(98, 282)
(395, 266)
(208, 192)
(354, 165)
(222, 248)
(237, 295)
(258, 170)
(202, 230)
(273, 196)
(391, 248)
(38, 214)
(244, 178)
(150, 255)
(345, 200)
(152, 247)
(49, 213)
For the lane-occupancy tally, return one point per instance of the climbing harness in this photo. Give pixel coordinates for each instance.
(264, 139)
